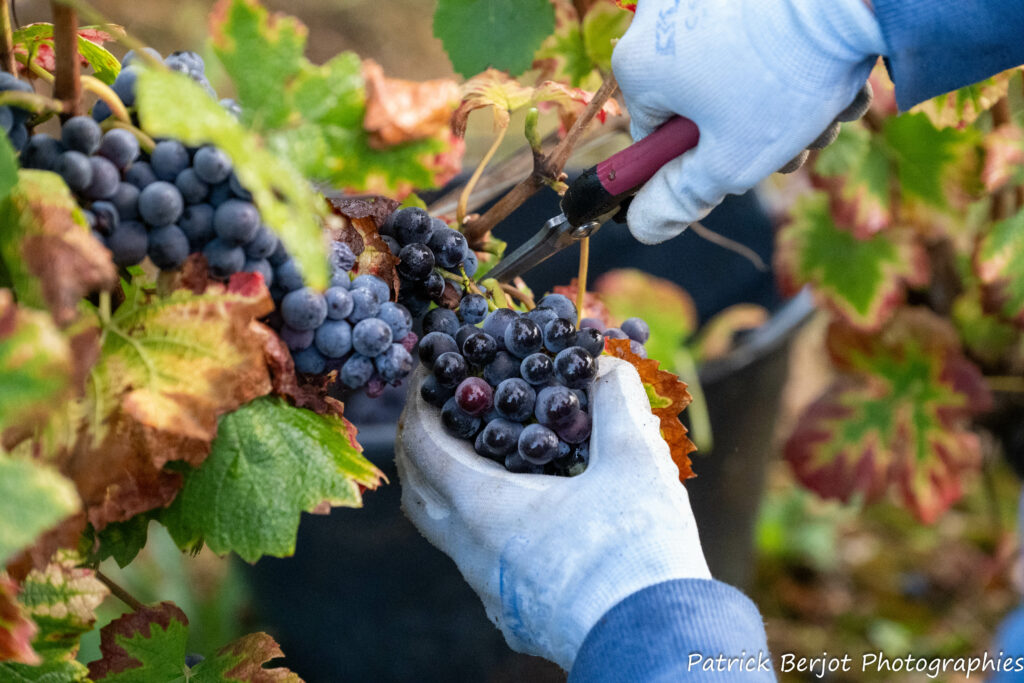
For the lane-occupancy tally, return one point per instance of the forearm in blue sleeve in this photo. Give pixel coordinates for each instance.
(688, 629)
(940, 45)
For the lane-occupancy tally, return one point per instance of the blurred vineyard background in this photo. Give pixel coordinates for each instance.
(829, 577)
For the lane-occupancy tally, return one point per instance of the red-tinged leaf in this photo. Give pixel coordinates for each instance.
(999, 264)
(987, 337)
(563, 54)
(668, 397)
(1004, 156)
(897, 417)
(377, 208)
(243, 660)
(857, 175)
(399, 111)
(884, 102)
(16, 629)
(962, 107)
(863, 280)
(572, 101)
(627, 4)
(37, 39)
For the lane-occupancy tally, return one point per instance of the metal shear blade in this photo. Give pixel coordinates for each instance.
(557, 234)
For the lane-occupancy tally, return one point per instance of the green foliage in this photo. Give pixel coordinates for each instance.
(120, 540)
(478, 34)
(105, 66)
(858, 163)
(33, 498)
(270, 462)
(922, 154)
(602, 26)
(1000, 266)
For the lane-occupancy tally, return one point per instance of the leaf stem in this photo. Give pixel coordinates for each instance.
(581, 279)
(68, 85)
(34, 67)
(106, 94)
(7, 60)
(120, 593)
(105, 307)
(460, 211)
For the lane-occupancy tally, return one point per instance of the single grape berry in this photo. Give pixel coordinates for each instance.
(160, 204)
(193, 190)
(120, 147)
(615, 333)
(212, 165)
(126, 199)
(499, 438)
(537, 444)
(339, 303)
(374, 284)
(496, 322)
(364, 304)
(523, 337)
(296, 340)
(480, 349)
(504, 366)
(128, 243)
(140, 174)
(412, 224)
(559, 334)
(75, 169)
(514, 463)
(416, 261)
(441, 320)
(81, 134)
(261, 266)
(309, 361)
(473, 309)
(464, 333)
(449, 247)
(339, 278)
(450, 369)
(168, 159)
(168, 247)
(637, 348)
(538, 369)
(433, 393)
(124, 84)
(263, 244)
(106, 217)
(41, 152)
(471, 263)
(394, 364)
(575, 367)
(370, 337)
(474, 396)
(333, 338)
(434, 285)
(514, 399)
(636, 329)
(555, 406)
(457, 422)
(590, 339)
(433, 345)
(304, 309)
(592, 323)
(356, 371)
(576, 429)
(236, 221)
(223, 259)
(397, 317)
(560, 304)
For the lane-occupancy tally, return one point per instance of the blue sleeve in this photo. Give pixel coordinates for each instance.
(689, 629)
(940, 45)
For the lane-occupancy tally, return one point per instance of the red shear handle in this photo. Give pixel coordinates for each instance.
(603, 187)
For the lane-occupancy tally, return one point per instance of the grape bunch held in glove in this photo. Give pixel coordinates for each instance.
(515, 384)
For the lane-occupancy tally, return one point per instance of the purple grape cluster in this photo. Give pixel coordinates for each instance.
(515, 384)
(13, 120)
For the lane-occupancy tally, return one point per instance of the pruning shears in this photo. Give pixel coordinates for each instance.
(598, 195)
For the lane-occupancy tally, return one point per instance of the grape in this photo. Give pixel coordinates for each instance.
(374, 284)
(433, 393)
(498, 438)
(6, 119)
(503, 367)
(394, 364)
(409, 341)
(197, 223)
(479, 348)
(296, 340)
(356, 371)
(223, 259)
(364, 304)
(106, 217)
(309, 361)
(339, 303)
(474, 396)
(441, 320)
(637, 348)
(41, 152)
(412, 224)
(542, 316)
(220, 193)
(131, 56)
(615, 333)
(464, 333)
(449, 247)
(342, 257)
(514, 399)
(450, 369)
(236, 221)
(18, 137)
(287, 275)
(416, 261)
(263, 244)
(81, 134)
(559, 334)
(471, 263)
(561, 305)
(370, 337)
(192, 189)
(120, 147)
(140, 174)
(523, 337)
(191, 59)
(433, 345)
(168, 247)
(434, 285)
(515, 463)
(590, 339)
(160, 204)
(415, 302)
(75, 169)
(124, 85)
(577, 429)
(236, 188)
(397, 317)
(592, 323)
(473, 309)
(574, 461)
(261, 266)
(105, 179)
(128, 243)
(636, 329)
(168, 159)
(457, 422)
(496, 322)
(280, 255)
(303, 309)
(339, 278)
(126, 199)
(211, 165)
(193, 659)
(334, 338)
(575, 367)
(537, 369)
(555, 405)
(393, 246)
(537, 444)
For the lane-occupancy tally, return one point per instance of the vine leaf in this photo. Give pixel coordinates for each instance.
(269, 463)
(960, 108)
(399, 111)
(857, 174)
(986, 336)
(1004, 157)
(315, 115)
(923, 155)
(999, 263)
(16, 629)
(667, 308)
(172, 105)
(360, 232)
(668, 397)
(37, 40)
(863, 280)
(899, 413)
(603, 24)
(513, 33)
(33, 498)
(563, 55)
(119, 540)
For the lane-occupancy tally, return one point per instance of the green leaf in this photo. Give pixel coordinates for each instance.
(922, 154)
(478, 34)
(566, 53)
(863, 280)
(33, 498)
(899, 414)
(37, 39)
(270, 462)
(858, 175)
(999, 262)
(602, 26)
(120, 540)
(172, 105)
(988, 337)
(150, 645)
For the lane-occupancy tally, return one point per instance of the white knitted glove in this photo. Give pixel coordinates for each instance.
(761, 79)
(550, 555)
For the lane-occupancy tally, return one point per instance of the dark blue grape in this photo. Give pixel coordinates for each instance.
(75, 169)
(81, 134)
(126, 199)
(498, 438)
(417, 304)
(457, 422)
(371, 337)
(120, 147)
(497, 321)
(411, 225)
(18, 137)
(160, 204)
(168, 159)
(574, 461)
(434, 285)
(296, 340)
(394, 364)
(433, 345)
(263, 244)
(339, 303)
(471, 263)
(168, 247)
(223, 259)
(304, 309)
(375, 285)
(523, 337)
(559, 334)
(537, 444)
(192, 659)
(6, 119)
(575, 367)
(105, 217)
(593, 323)
(261, 266)
(637, 348)
(504, 366)
(575, 430)
(356, 371)
(212, 165)
(514, 399)
(590, 339)
(190, 59)
(398, 319)
(342, 257)
(433, 393)
(538, 369)
(441, 320)
(220, 193)
(542, 316)
(128, 243)
(615, 333)
(309, 361)
(197, 223)
(279, 255)
(450, 369)
(101, 111)
(192, 189)
(334, 338)
(561, 305)
(365, 304)
(464, 333)
(393, 246)
(124, 86)
(555, 405)
(42, 152)
(415, 262)
(140, 174)
(105, 179)
(515, 463)
(236, 221)
(480, 349)
(449, 247)
(636, 329)
(287, 276)
(473, 309)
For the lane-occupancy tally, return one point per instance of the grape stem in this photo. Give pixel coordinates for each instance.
(7, 60)
(460, 211)
(34, 67)
(67, 85)
(546, 168)
(522, 297)
(120, 593)
(106, 94)
(581, 279)
(25, 100)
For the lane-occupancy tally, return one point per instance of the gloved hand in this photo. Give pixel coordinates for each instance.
(762, 81)
(550, 555)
